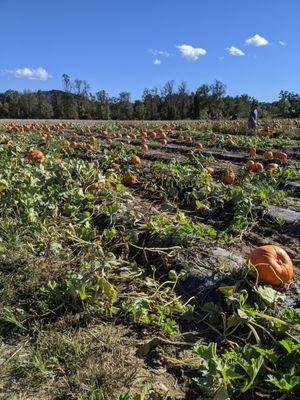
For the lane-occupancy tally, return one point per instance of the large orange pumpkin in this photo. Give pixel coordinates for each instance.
(36, 156)
(281, 156)
(271, 166)
(271, 264)
(258, 167)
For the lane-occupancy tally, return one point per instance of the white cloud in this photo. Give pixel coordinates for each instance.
(282, 43)
(157, 61)
(160, 53)
(30, 73)
(257, 41)
(234, 51)
(190, 52)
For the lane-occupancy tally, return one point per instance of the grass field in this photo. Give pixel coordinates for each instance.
(123, 271)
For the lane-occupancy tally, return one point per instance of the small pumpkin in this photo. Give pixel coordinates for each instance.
(132, 136)
(271, 264)
(268, 155)
(115, 166)
(258, 167)
(153, 135)
(213, 136)
(144, 147)
(36, 156)
(210, 170)
(163, 142)
(229, 177)
(135, 160)
(199, 146)
(252, 152)
(130, 179)
(281, 156)
(250, 165)
(92, 139)
(89, 147)
(94, 186)
(271, 166)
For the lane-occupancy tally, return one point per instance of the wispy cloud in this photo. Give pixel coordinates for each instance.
(160, 53)
(191, 53)
(257, 41)
(234, 51)
(157, 61)
(30, 73)
(282, 43)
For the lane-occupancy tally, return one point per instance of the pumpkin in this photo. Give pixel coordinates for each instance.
(109, 141)
(228, 137)
(144, 134)
(258, 167)
(164, 142)
(271, 264)
(90, 147)
(94, 186)
(229, 177)
(268, 155)
(132, 136)
(104, 133)
(281, 156)
(181, 138)
(115, 166)
(129, 179)
(135, 160)
(252, 152)
(229, 142)
(162, 135)
(36, 156)
(92, 139)
(199, 146)
(213, 136)
(153, 135)
(189, 139)
(210, 170)
(271, 166)
(66, 143)
(144, 147)
(250, 165)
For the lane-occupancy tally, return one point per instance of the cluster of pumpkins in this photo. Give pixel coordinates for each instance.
(251, 165)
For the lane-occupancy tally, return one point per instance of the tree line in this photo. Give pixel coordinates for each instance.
(75, 101)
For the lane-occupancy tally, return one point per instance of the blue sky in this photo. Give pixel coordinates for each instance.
(108, 44)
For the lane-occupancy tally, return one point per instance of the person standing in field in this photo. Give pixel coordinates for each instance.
(252, 120)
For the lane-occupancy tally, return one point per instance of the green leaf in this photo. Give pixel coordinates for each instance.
(270, 295)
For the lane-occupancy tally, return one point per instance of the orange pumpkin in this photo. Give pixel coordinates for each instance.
(115, 166)
(210, 170)
(130, 179)
(144, 134)
(90, 147)
(132, 136)
(252, 152)
(94, 186)
(153, 135)
(258, 167)
(36, 156)
(163, 142)
(271, 264)
(135, 160)
(268, 155)
(250, 165)
(181, 138)
(92, 139)
(271, 166)
(144, 147)
(229, 177)
(281, 156)
(199, 146)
